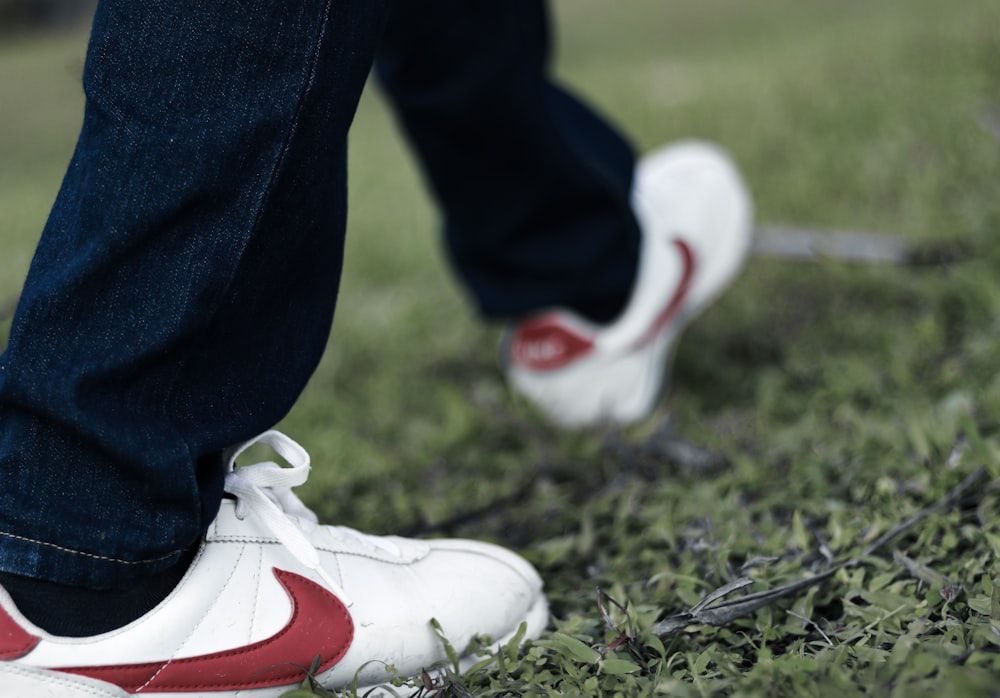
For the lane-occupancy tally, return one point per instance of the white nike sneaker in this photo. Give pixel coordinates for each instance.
(270, 591)
(695, 215)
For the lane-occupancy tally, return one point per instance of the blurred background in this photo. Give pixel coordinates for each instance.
(19, 16)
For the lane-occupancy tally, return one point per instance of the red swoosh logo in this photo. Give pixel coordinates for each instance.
(320, 625)
(544, 343)
(677, 299)
(15, 641)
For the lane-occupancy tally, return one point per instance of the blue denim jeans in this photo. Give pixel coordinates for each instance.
(184, 286)
(535, 187)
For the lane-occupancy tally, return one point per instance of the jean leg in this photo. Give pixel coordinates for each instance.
(534, 186)
(184, 285)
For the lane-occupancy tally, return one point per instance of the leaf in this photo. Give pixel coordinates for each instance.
(799, 533)
(576, 649)
(994, 603)
(515, 641)
(448, 648)
(617, 667)
(981, 605)
(701, 663)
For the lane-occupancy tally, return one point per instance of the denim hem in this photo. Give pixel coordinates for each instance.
(39, 559)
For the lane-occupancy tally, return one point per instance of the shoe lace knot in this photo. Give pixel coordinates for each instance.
(264, 490)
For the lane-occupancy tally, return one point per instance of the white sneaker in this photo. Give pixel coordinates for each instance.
(269, 591)
(695, 215)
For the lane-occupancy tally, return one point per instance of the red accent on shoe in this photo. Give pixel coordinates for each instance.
(669, 311)
(544, 343)
(15, 641)
(320, 625)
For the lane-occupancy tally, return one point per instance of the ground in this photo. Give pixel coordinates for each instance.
(816, 407)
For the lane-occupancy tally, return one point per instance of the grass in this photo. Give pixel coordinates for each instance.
(839, 399)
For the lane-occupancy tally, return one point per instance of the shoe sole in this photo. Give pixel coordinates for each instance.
(20, 681)
(537, 620)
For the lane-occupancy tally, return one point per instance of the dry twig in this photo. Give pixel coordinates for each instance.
(707, 612)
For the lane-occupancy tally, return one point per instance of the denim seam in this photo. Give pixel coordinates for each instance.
(25, 539)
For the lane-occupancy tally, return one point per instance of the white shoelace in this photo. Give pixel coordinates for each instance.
(264, 490)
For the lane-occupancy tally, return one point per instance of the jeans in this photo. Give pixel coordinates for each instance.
(184, 285)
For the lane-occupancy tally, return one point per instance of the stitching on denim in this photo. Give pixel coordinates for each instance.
(105, 558)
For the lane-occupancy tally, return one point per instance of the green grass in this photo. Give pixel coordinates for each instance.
(843, 399)
(40, 111)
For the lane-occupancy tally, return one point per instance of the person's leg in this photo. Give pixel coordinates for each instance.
(534, 186)
(179, 300)
(184, 286)
(599, 261)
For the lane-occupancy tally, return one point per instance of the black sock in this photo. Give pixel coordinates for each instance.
(70, 611)
(602, 311)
